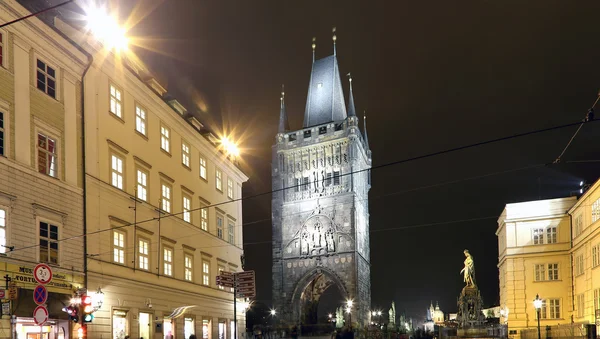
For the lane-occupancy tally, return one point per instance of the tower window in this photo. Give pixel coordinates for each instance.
(338, 127)
(305, 185)
(292, 137)
(322, 130)
(328, 179)
(306, 134)
(336, 177)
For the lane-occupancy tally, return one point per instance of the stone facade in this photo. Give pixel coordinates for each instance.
(320, 212)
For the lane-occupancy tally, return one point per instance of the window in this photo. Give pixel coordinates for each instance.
(305, 184)
(231, 232)
(580, 305)
(116, 101)
(165, 139)
(2, 48)
(188, 263)
(204, 219)
(551, 235)
(554, 308)
(322, 130)
(579, 265)
(205, 273)
(119, 247)
(229, 188)
(578, 224)
(140, 120)
(218, 180)
(220, 226)
(46, 78)
(596, 255)
(188, 327)
(328, 179)
(307, 134)
(142, 185)
(538, 236)
(221, 270)
(596, 299)
(143, 252)
(596, 210)
(3, 217)
(47, 155)
(185, 154)
(116, 171)
(2, 127)
(168, 261)
(165, 201)
(187, 206)
(552, 271)
(540, 272)
(203, 167)
(336, 177)
(48, 243)
(297, 184)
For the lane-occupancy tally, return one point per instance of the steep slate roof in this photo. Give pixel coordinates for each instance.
(325, 101)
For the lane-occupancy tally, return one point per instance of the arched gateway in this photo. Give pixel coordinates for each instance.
(321, 180)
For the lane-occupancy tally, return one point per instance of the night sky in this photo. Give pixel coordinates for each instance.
(431, 75)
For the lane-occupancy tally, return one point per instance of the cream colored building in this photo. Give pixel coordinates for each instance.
(534, 245)
(41, 177)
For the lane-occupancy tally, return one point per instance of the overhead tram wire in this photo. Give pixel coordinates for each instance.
(424, 156)
(35, 14)
(588, 117)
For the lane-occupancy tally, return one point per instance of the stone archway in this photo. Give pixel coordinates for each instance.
(308, 291)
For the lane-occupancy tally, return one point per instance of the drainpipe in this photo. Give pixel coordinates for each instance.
(572, 268)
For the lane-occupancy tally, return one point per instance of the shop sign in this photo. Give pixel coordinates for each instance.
(13, 293)
(5, 308)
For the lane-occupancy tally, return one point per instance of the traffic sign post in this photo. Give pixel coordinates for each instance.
(40, 295)
(40, 315)
(42, 274)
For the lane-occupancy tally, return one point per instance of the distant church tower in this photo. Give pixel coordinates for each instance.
(320, 208)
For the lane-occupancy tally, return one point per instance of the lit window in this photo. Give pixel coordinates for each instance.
(2, 127)
(188, 267)
(540, 272)
(168, 261)
(48, 243)
(580, 305)
(578, 222)
(143, 251)
(221, 269)
(205, 273)
(218, 179)
(551, 235)
(119, 247)
(229, 188)
(220, 226)
(185, 154)
(47, 158)
(538, 236)
(596, 210)
(579, 265)
(3, 218)
(165, 201)
(142, 185)
(231, 232)
(165, 137)
(188, 327)
(554, 308)
(116, 171)
(202, 167)
(116, 101)
(596, 255)
(204, 219)
(46, 78)
(187, 206)
(140, 120)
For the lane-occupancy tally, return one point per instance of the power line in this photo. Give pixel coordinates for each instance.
(589, 116)
(428, 155)
(36, 13)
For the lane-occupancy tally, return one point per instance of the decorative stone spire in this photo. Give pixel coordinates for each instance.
(334, 38)
(367, 141)
(351, 108)
(283, 120)
(314, 46)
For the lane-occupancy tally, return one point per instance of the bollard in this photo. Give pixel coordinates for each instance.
(591, 331)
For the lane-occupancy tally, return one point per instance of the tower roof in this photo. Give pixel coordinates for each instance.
(351, 108)
(367, 142)
(283, 120)
(325, 101)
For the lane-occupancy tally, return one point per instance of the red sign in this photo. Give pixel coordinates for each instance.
(42, 273)
(40, 315)
(40, 295)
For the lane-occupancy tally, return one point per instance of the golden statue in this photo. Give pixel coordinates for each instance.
(469, 270)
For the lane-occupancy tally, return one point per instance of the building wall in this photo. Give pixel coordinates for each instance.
(130, 287)
(520, 252)
(28, 197)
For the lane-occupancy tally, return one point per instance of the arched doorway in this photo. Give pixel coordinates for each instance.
(310, 289)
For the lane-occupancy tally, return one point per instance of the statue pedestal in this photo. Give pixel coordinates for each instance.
(470, 316)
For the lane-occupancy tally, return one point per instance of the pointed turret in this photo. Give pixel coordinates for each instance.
(284, 126)
(367, 143)
(351, 108)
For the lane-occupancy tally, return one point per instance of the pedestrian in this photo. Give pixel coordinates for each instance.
(193, 336)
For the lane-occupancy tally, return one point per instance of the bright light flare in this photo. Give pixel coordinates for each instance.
(349, 302)
(537, 302)
(105, 28)
(230, 147)
(273, 312)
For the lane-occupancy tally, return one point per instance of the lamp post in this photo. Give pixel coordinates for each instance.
(537, 303)
(349, 310)
(379, 317)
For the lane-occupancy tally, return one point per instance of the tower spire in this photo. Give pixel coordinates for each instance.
(351, 108)
(334, 40)
(314, 46)
(367, 141)
(283, 120)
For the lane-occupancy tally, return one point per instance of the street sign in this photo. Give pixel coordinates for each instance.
(226, 281)
(40, 295)
(13, 293)
(40, 315)
(42, 273)
(245, 284)
(6, 308)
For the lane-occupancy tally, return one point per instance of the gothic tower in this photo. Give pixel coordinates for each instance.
(320, 208)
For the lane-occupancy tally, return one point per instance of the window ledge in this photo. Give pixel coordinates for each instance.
(186, 167)
(143, 136)
(166, 152)
(116, 117)
(205, 179)
(546, 281)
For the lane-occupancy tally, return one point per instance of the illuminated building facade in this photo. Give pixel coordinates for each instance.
(320, 209)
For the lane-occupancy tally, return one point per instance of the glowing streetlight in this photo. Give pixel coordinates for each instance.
(273, 312)
(105, 28)
(230, 147)
(537, 303)
(349, 303)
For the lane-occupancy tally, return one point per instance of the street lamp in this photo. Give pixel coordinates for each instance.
(537, 303)
(273, 312)
(230, 147)
(379, 316)
(98, 299)
(349, 310)
(105, 28)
